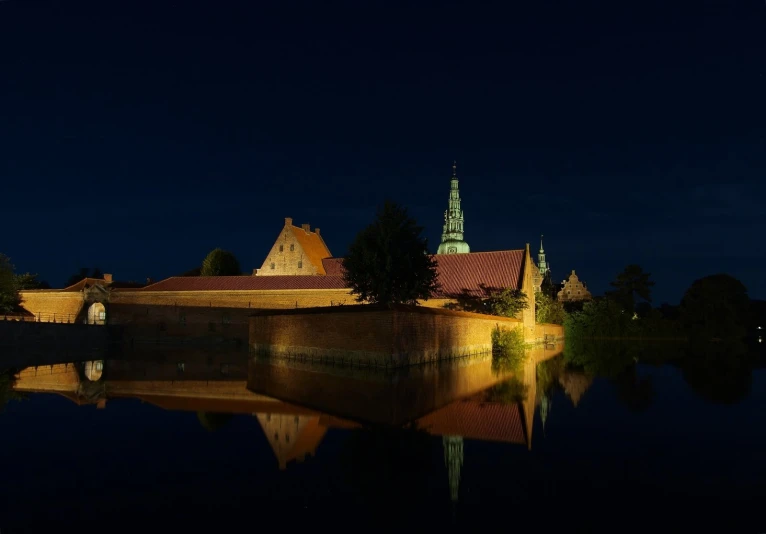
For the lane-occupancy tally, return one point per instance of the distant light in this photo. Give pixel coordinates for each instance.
(760, 340)
(759, 328)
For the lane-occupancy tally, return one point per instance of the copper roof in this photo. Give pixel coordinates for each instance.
(246, 283)
(313, 246)
(487, 421)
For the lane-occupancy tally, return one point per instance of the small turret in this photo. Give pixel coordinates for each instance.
(452, 234)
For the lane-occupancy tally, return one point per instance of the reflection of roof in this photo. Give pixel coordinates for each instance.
(246, 283)
(487, 421)
(313, 246)
(258, 403)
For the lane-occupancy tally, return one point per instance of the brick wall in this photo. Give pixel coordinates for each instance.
(374, 336)
(263, 299)
(53, 305)
(542, 329)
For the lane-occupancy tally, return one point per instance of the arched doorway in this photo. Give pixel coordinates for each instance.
(97, 313)
(93, 370)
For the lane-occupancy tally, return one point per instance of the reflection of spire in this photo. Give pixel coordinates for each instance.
(453, 459)
(545, 407)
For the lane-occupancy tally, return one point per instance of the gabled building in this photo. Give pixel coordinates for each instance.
(297, 251)
(573, 289)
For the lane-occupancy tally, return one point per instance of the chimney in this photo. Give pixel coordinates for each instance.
(288, 221)
(108, 278)
(148, 281)
(316, 231)
(573, 272)
(255, 272)
(101, 404)
(306, 228)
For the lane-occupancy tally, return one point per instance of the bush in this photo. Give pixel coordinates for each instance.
(508, 349)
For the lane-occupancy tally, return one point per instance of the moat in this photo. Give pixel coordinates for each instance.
(217, 440)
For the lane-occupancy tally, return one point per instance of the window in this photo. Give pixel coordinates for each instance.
(102, 315)
(292, 247)
(281, 248)
(272, 265)
(300, 264)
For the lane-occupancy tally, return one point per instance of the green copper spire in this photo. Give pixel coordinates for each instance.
(452, 234)
(541, 264)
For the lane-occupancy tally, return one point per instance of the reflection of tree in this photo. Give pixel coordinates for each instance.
(212, 421)
(390, 466)
(719, 372)
(635, 392)
(511, 391)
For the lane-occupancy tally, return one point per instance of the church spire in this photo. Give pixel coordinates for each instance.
(452, 234)
(541, 263)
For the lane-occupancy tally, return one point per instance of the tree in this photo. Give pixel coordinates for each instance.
(548, 310)
(508, 302)
(388, 261)
(9, 292)
(30, 281)
(83, 274)
(631, 283)
(716, 306)
(220, 263)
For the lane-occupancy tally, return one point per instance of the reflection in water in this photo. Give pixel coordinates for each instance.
(400, 432)
(453, 459)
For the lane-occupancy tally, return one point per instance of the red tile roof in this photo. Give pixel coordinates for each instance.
(245, 283)
(487, 421)
(457, 273)
(333, 266)
(466, 272)
(313, 246)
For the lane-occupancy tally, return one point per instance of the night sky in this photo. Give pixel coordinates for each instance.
(137, 136)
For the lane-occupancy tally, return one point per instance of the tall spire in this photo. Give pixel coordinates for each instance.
(452, 234)
(541, 263)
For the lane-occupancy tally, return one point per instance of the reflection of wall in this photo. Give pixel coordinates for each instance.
(373, 336)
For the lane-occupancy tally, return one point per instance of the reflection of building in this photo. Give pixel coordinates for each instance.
(575, 385)
(292, 437)
(573, 289)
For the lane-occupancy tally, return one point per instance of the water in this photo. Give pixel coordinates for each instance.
(222, 442)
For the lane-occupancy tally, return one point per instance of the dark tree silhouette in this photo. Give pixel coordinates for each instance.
(220, 263)
(631, 283)
(716, 306)
(9, 292)
(388, 262)
(30, 281)
(83, 274)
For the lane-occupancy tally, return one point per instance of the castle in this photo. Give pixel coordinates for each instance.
(299, 271)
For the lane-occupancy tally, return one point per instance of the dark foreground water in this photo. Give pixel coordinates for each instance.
(225, 444)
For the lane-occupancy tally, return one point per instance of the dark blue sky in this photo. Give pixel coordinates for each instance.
(137, 136)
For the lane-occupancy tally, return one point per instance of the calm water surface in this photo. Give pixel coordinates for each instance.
(216, 441)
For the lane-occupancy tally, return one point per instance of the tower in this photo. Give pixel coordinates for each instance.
(452, 234)
(541, 264)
